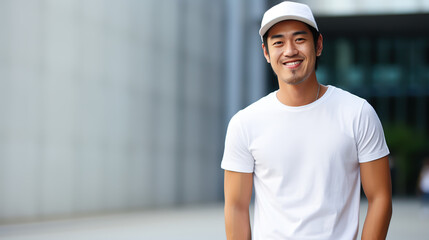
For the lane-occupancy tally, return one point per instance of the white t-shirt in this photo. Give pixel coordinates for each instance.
(305, 162)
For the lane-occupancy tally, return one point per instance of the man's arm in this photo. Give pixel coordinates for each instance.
(376, 183)
(238, 192)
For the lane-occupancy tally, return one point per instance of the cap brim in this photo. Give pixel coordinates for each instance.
(273, 22)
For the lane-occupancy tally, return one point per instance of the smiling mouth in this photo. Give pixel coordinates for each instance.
(293, 64)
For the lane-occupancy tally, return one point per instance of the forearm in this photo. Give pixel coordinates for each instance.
(237, 223)
(377, 219)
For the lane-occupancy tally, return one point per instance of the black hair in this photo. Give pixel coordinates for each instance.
(313, 31)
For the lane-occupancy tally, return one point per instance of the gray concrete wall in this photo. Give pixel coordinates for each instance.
(112, 105)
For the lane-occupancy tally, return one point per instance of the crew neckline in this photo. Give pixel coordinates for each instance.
(303, 107)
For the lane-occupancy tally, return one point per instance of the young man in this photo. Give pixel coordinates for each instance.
(306, 148)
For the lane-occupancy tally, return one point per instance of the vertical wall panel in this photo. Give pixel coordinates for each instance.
(19, 112)
(90, 99)
(117, 103)
(4, 98)
(59, 106)
(142, 166)
(193, 81)
(166, 96)
(257, 64)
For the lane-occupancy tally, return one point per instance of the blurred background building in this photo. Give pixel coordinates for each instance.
(113, 105)
(379, 50)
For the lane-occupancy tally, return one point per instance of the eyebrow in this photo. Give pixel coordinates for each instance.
(299, 33)
(293, 34)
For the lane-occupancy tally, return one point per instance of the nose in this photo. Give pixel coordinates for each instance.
(290, 49)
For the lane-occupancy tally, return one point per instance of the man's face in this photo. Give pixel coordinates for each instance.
(291, 51)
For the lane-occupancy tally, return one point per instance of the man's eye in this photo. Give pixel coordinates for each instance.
(277, 43)
(300, 39)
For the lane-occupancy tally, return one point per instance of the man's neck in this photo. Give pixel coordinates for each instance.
(301, 94)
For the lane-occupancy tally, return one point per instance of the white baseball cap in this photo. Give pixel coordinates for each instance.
(286, 11)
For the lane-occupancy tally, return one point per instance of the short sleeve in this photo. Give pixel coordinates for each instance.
(371, 143)
(236, 156)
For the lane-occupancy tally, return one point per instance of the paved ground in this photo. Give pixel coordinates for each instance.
(409, 221)
(203, 222)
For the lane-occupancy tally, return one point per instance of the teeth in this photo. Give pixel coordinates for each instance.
(292, 63)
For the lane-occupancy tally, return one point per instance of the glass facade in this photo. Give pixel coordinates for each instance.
(392, 73)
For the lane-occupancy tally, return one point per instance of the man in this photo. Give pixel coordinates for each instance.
(305, 148)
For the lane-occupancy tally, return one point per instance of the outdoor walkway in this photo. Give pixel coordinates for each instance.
(202, 223)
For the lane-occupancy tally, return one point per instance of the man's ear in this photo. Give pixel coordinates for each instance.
(319, 45)
(266, 54)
